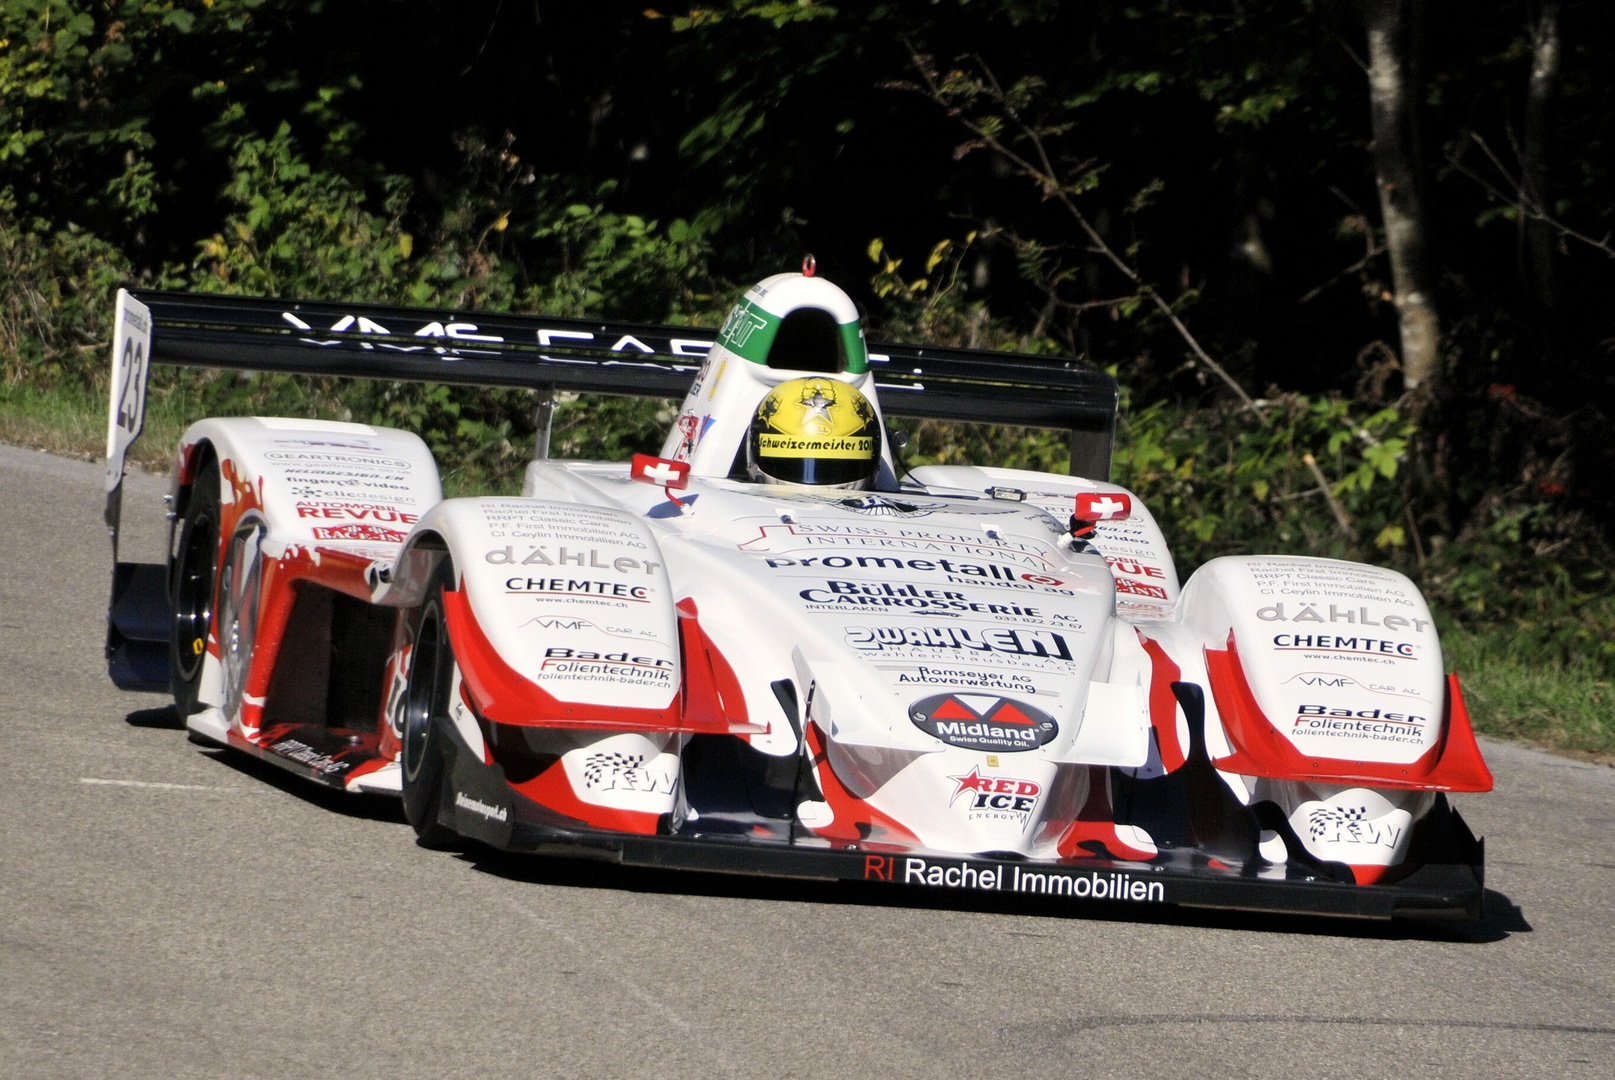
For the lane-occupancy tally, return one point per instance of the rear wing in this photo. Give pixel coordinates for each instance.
(538, 353)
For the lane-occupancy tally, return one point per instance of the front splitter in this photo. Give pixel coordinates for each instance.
(1445, 891)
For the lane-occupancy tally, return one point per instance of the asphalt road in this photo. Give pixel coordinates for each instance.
(167, 911)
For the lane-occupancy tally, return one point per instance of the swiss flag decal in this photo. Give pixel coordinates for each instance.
(663, 472)
(1104, 506)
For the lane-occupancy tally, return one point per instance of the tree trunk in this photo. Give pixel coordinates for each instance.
(1394, 88)
(1537, 241)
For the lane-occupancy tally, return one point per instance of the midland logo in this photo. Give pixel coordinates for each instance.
(996, 798)
(983, 722)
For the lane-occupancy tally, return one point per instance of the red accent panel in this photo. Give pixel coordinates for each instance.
(1164, 703)
(505, 696)
(552, 789)
(849, 811)
(1094, 824)
(1452, 764)
(1460, 753)
(712, 702)
(1368, 875)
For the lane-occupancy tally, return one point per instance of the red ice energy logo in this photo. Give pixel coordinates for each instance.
(996, 796)
(983, 722)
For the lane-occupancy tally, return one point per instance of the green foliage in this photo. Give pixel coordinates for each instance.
(298, 232)
(78, 84)
(54, 290)
(1223, 485)
(301, 231)
(1563, 703)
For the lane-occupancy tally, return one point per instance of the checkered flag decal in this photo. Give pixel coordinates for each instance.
(1320, 820)
(597, 766)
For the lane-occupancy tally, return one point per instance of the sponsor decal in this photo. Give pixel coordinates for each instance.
(795, 536)
(368, 447)
(571, 523)
(321, 457)
(1120, 564)
(355, 511)
(345, 486)
(1349, 825)
(995, 798)
(1360, 723)
(675, 346)
(1044, 644)
(1335, 643)
(637, 594)
(375, 534)
(1140, 588)
(844, 594)
(584, 665)
(984, 571)
(575, 624)
(564, 653)
(480, 808)
(1355, 616)
(969, 678)
(979, 722)
(960, 874)
(300, 751)
(1333, 680)
(1042, 579)
(744, 320)
(625, 772)
(539, 555)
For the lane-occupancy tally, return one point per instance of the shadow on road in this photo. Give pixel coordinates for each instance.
(1500, 917)
(165, 717)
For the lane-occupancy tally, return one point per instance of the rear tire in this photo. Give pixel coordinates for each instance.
(193, 574)
(426, 710)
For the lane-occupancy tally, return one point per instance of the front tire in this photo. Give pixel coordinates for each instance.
(193, 573)
(426, 708)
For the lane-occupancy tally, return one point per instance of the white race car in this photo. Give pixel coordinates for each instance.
(771, 648)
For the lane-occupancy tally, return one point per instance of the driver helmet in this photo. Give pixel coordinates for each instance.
(817, 432)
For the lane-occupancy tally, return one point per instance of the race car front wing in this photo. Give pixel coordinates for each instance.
(1435, 891)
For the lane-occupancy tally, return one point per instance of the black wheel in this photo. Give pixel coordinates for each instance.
(193, 574)
(426, 708)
